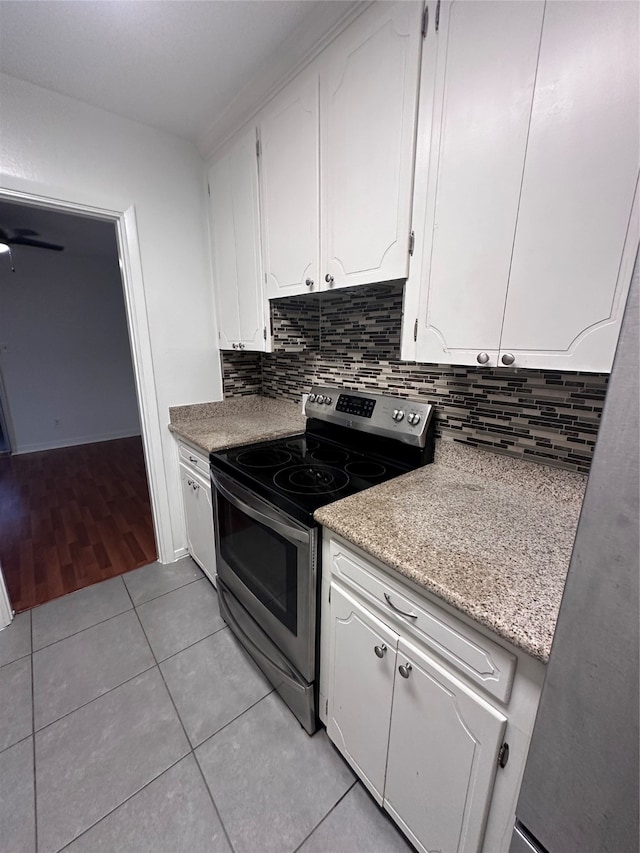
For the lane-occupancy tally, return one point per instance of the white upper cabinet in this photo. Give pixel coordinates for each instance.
(235, 235)
(567, 288)
(337, 154)
(527, 168)
(289, 182)
(369, 86)
(474, 117)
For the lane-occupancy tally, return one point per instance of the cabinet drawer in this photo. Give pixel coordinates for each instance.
(482, 661)
(193, 458)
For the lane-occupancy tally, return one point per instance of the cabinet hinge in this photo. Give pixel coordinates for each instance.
(412, 242)
(425, 22)
(209, 190)
(503, 755)
(257, 147)
(415, 330)
(264, 333)
(437, 15)
(326, 707)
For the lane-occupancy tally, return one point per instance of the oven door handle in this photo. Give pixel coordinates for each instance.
(286, 530)
(288, 676)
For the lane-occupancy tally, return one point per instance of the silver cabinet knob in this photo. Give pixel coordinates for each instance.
(328, 278)
(195, 486)
(240, 346)
(309, 282)
(405, 669)
(235, 346)
(508, 358)
(380, 650)
(483, 357)
(190, 482)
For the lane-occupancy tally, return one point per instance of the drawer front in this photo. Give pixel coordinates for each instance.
(194, 458)
(482, 661)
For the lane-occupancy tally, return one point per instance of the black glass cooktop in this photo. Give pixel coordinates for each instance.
(304, 472)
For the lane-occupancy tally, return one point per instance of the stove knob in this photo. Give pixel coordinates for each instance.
(319, 399)
(328, 400)
(398, 414)
(312, 398)
(413, 418)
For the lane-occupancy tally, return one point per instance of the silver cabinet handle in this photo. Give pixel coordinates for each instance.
(405, 669)
(328, 278)
(309, 282)
(193, 459)
(195, 486)
(483, 357)
(240, 346)
(380, 650)
(397, 609)
(508, 358)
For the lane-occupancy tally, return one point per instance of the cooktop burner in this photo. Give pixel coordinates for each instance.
(263, 457)
(310, 479)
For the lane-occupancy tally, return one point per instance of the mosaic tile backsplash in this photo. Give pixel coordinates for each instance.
(351, 338)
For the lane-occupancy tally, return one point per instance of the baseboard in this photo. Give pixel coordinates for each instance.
(179, 553)
(72, 442)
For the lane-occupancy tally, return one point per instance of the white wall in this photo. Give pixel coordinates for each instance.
(57, 147)
(65, 349)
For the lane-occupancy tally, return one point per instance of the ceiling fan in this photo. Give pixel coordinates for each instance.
(23, 237)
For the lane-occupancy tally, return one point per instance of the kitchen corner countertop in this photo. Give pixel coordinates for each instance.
(235, 421)
(490, 535)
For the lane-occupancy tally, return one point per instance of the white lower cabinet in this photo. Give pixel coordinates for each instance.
(361, 688)
(423, 743)
(420, 704)
(443, 748)
(198, 511)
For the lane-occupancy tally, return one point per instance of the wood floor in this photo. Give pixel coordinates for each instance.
(72, 517)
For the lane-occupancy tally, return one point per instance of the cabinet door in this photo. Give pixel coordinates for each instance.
(198, 510)
(567, 291)
(235, 232)
(360, 688)
(473, 134)
(289, 180)
(369, 82)
(443, 752)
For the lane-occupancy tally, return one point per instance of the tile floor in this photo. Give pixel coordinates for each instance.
(132, 721)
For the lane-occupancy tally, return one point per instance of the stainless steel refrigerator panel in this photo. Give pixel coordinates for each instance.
(580, 787)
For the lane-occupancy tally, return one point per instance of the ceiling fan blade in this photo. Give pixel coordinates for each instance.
(36, 244)
(24, 232)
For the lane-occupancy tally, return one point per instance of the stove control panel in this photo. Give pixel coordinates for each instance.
(393, 417)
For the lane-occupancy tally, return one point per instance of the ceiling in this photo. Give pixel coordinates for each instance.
(176, 65)
(78, 234)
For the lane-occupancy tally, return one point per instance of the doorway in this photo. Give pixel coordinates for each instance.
(75, 504)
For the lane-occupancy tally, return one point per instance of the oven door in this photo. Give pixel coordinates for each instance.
(268, 562)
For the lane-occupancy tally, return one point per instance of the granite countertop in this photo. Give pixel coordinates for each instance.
(235, 421)
(490, 535)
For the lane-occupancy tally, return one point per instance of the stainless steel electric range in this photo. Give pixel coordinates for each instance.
(267, 543)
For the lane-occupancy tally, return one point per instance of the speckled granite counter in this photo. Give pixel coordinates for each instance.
(490, 535)
(235, 421)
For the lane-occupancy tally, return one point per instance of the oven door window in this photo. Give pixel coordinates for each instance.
(265, 562)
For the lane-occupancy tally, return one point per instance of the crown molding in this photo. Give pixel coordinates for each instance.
(327, 20)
